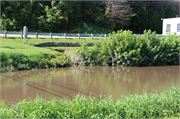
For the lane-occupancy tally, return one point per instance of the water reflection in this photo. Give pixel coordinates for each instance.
(62, 82)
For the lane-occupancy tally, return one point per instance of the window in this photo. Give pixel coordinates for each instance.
(168, 27)
(178, 27)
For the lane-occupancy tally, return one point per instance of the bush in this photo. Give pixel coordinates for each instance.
(12, 61)
(126, 49)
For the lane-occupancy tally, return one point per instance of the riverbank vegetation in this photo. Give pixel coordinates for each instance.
(120, 49)
(126, 49)
(13, 61)
(155, 105)
(16, 56)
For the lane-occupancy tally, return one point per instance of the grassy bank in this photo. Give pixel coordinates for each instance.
(17, 56)
(32, 41)
(163, 105)
(122, 49)
(13, 61)
(126, 49)
(15, 43)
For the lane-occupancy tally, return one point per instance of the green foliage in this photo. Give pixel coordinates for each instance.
(172, 12)
(126, 49)
(16, 14)
(52, 19)
(58, 61)
(66, 16)
(149, 17)
(52, 16)
(163, 105)
(12, 61)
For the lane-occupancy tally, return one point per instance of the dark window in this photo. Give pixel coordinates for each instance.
(178, 27)
(168, 27)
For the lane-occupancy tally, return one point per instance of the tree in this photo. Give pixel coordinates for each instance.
(51, 21)
(72, 14)
(118, 13)
(16, 14)
(148, 15)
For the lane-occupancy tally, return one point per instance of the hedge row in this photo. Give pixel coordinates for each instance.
(126, 49)
(12, 61)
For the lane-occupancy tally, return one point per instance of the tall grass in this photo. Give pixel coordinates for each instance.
(126, 49)
(13, 61)
(166, 104)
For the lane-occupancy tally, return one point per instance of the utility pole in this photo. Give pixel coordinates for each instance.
(179, 9)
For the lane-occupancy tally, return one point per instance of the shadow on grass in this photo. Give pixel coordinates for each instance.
(37, 38)
(41, 38)
(11, 38)
(8, 47)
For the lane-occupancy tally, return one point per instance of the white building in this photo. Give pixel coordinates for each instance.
(171, 25)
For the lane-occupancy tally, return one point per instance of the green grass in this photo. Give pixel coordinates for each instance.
(16, 44)
(32, 41)
(163, 105)
(13, 61)
(17, 56)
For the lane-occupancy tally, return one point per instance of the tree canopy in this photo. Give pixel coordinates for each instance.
(66, 16)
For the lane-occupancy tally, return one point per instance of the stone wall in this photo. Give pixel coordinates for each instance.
(60, 44)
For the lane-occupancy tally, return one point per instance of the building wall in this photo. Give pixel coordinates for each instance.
(172, 25)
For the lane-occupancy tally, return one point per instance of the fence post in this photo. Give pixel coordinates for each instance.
(21, 35)
(91, 35)
(36, 34)
(5, 34)
(105, 36)
(26, 35)
(51, 35)
(78, 35)
(65, 35)
(25, 32)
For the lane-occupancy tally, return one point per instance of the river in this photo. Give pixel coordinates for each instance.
(69, 81)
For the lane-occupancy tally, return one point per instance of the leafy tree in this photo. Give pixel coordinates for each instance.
(51, 21)
(149, 17)
(65, 16)
(16, 14)
(172, 12)
(72, 14)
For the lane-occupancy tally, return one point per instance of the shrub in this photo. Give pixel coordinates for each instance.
(12, 61)
(58, 61)
(126, 49)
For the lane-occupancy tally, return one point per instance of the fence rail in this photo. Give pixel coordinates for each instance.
(63, 35)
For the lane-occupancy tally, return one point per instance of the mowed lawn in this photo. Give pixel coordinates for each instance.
(15, 44)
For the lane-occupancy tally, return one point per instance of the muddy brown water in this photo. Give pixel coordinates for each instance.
(69, 81)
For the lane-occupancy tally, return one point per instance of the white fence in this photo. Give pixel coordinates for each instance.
(55, 35)
(51, 35)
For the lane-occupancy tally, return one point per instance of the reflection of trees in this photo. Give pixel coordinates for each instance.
(32, 76)
(127, 79)
(111, 80)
